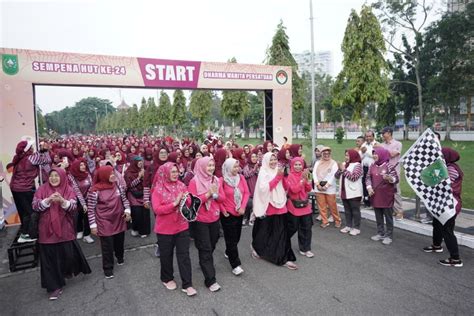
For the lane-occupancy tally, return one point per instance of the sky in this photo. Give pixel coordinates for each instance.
(201, 30)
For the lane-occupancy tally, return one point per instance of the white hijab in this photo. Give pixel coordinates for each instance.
(262, 195)
(233, 181)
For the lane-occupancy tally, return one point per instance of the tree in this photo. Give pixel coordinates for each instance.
(42, 128)
(254, 118)
(450, 60)
(400, 19)
(279, 54)
(234, 104)
(152, 114)
(363, 78)
(165, 111)
(178, 116)
(142, 115)
(200, 107)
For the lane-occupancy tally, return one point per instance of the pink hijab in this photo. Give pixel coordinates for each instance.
(203, 179)
(169, 190)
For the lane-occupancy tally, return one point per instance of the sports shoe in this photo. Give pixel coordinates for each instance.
(307, 254)
(55, 294)
(354, 232)
(451, 262)
(120, 262)
(432, 248)
(157, 251)
(324, 225)
(215, 287)
(377, 237)
(226, 256)
(171, 285)
(318, 218)
(190, 291)
(290, 265)
(24, 238)
(345, 230)
(134, 233)
(337, 225)
(244, 223)
(387, 241)
(109, 275)
(331, 219)
(399, 217)
(238, 270)
(79, 235)
(88, 239)
(143, 236)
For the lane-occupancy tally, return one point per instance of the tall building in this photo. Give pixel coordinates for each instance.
(323, 62)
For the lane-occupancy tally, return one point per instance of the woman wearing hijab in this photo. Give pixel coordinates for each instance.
(350, 190)
(381, 180)
(26, 166)
(159, 158)
(270, 231)
(81, 180)
(108, 210)
(446, 232)
(284, 157)
(250, 173)
(299, 214)
(171, 229)
(233, 208)
(324, 172)
(219, 157)
(60, 255)
(239, 154)
(205, 229)
(140, 215)
(190, 173)
(267, 147)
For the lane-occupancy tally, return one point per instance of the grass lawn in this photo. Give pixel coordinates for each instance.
(465, 149)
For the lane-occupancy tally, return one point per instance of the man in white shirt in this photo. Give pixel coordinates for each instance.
(366, 155)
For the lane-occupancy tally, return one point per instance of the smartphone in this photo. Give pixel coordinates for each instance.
(65, 160)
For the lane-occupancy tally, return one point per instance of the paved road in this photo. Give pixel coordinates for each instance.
(349, 275)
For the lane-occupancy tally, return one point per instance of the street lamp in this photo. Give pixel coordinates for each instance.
(96, 119)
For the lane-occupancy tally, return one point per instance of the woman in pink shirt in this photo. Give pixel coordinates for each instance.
(108, 210)
(270, 231)
(171, 229)
(205, 229)
(60, 255)
(299, 210)
(233, 208)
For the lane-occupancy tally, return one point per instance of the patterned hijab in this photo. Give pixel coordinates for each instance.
(232, 180)
(169, 190)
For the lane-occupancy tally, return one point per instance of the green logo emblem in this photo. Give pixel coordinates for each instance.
(434, 173)
(281, 77)
(10, 64)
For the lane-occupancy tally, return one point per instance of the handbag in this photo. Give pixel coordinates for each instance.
(299, 203)
(189, 213)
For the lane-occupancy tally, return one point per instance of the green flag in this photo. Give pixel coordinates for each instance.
(434, 173)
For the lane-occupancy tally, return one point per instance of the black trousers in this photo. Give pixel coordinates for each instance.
(82, 224)
(232, 227)
(352, 212)
(206, 236)
(302, 225)
(28, 218)
(446, 232)
(364, 187)
(167, 244)
(248, 208)
(141, 220)
(111, 245)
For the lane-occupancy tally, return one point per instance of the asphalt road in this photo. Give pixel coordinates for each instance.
(348, 275)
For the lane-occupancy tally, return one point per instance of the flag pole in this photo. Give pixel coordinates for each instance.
(313, 110)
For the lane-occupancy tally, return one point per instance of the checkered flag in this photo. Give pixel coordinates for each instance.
(426, 172)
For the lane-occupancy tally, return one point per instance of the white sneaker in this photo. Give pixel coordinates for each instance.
(307, 254)
(226, 256)
(331, 219)
(318, 218)
(79, 235)
(345, 230)
(377, 237)
(134, 233)
(143, 236)
(215, 287)
(238, 270)
(88, 239)
(25, 238)
(387, 241)
(354, 232)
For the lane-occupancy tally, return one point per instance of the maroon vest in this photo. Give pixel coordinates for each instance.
(384, 195)
(24, 174)
(109, 213)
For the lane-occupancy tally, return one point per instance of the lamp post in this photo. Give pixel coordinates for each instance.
(96, 119)
(313, 110)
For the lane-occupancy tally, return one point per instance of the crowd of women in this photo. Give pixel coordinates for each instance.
(104, 186)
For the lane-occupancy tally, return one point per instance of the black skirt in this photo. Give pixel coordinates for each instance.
(271, 240)
(59, 261)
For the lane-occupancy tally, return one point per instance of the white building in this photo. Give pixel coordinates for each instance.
(323, 62)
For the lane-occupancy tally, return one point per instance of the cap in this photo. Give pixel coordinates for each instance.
(319, 147)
